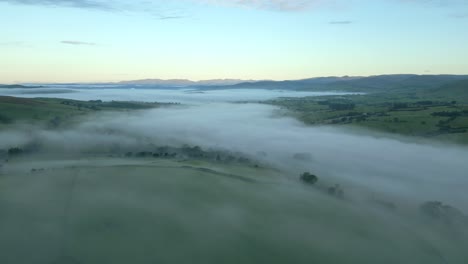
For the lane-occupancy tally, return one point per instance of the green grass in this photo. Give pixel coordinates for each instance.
(105, 210)
(403, 114)
(57, 112)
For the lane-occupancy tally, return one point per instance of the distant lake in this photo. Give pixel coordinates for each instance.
(180, 95)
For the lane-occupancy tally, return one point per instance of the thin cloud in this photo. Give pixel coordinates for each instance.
(300, 5)
(64, 3)
(155, 8)
(78, 43)
(150, 6)
(340, 22)
(161, 17)
(279, 5)
(441, 3)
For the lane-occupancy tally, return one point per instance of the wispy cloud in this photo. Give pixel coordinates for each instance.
(64, 3)
(436, 2)
(152, 6)
(75, 42)
(279, 5)
(340, 22)
(170, 17)
(157, 8)
(300, 5)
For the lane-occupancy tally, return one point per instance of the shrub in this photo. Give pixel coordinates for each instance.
(309, 178)
(15, 151)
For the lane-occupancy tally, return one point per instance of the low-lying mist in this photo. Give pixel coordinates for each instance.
(384, 165)
(366, 165)
(151, 94)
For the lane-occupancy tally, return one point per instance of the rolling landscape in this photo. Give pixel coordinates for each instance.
(108, 166)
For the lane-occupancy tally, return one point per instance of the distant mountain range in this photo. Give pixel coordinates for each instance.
(17, 86)
(377, 83)
(395, 82)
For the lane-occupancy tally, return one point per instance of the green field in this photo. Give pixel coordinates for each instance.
(423, 116)
(53, 113)
(111, 210)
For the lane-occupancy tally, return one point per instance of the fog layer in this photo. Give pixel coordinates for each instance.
(135, 93)
(383, 165)
(76, 197)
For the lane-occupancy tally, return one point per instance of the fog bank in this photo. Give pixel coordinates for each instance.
(182, 95)
(405, 171)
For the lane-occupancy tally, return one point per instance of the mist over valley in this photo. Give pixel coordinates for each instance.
(221, 174)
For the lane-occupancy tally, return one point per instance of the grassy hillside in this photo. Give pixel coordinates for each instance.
(397, 83)
(426, 117)
(421, 106)
(106, 210)
(17, 86)
(55, 112)
(372, 84)
(457, 90)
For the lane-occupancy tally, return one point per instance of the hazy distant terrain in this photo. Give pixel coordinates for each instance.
(185, 82)
(99, 173)
(378, 83)
(151, 94)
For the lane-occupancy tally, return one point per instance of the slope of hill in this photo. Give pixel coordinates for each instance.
(403, 82)
(17, 86)
(457, 90)
(378, 83)
(12, 86)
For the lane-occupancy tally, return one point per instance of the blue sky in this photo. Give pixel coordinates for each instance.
(92, 40)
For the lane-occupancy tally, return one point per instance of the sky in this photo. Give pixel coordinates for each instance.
(106, 41)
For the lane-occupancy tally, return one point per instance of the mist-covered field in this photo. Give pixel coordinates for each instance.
(220, 183)
(146, 94)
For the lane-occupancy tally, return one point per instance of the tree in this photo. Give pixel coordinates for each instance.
(443, 212)
(5, 119)
(309, 178)
(341, 106)
(15, 151)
